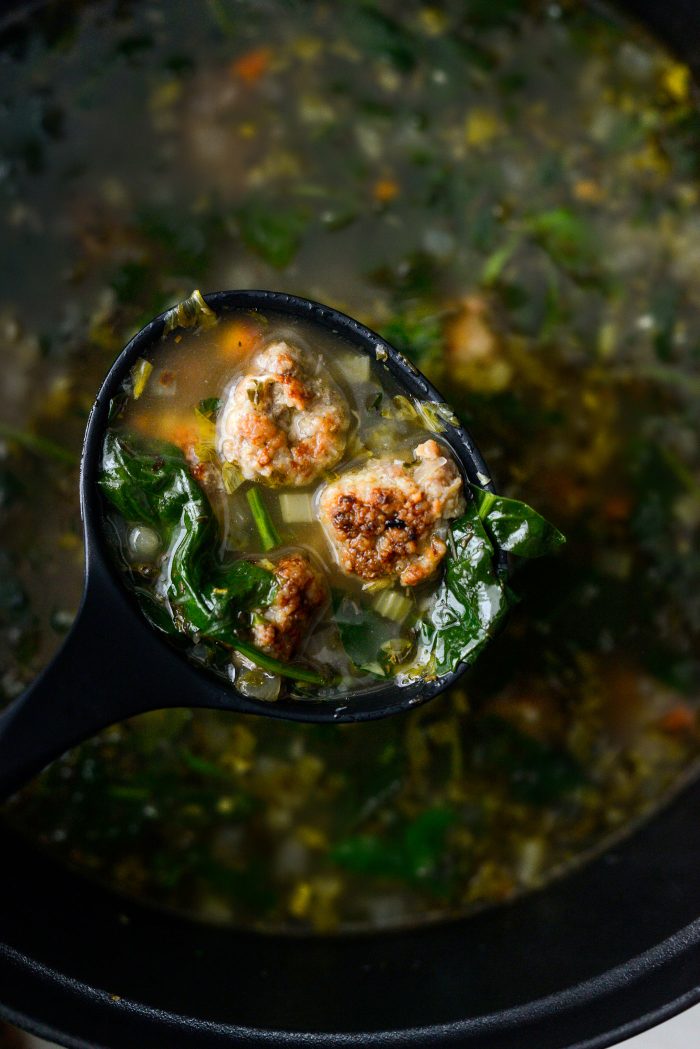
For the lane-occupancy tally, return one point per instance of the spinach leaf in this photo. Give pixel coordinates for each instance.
(515, 526)
(149, 482)
(472, 599)
(362, 631)
(411, 855)
(272, 230)
(375, 33)
(538, 773)
(567, 239)
(418, 335)
(210, 407)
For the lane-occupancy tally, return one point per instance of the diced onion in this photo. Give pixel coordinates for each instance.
(257, 684)
(393, 605)
(144, 543)
(297, 506)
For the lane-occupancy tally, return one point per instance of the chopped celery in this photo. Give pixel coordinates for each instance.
(140, 374)
(269, 536)
(297, 506)
(354, 367)
(393, 605)
(375, 585)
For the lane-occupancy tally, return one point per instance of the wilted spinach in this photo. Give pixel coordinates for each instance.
(473, 597)
(411, 854)
(362, 632)
(149, 482)
(515, 526)
(471, 600)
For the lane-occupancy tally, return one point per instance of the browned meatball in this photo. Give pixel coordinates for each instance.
(385, 519)
(302, 592)
(281, 424)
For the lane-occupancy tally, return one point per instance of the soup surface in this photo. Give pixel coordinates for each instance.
(507, 192)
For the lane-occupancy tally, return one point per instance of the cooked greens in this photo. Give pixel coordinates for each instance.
(149, 481)
(474, 596)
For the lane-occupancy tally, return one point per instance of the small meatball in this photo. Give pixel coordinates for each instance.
(385, 519)
(206, 474)
(280, 424)
(302, 593)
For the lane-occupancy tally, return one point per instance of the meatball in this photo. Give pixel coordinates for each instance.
(385, 519)
(302, 593)
(280, 424)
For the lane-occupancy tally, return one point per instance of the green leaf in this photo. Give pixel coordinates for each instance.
(424, 840)
(378, 34)
(498, 259)
(418, 335)
(210, 407)
(566, 238)
(539, 774)
(516, 527)
(412, 854)
(362, 631)
(368, 854)
(272, 230)
(149, 482)
(471, 600)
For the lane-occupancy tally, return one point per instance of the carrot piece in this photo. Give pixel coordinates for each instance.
(385, 190)
(175, 427)
(678, 719)
(239, 338)
(618, 507)
(249, 67)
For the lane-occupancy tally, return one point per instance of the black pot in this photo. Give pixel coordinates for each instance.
(596, 957)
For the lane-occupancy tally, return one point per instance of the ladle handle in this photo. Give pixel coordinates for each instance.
(109, 668)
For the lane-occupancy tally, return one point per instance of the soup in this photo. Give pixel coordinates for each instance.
(506, 192)
(380, 564)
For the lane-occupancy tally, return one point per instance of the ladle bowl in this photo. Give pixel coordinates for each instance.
(113, 665)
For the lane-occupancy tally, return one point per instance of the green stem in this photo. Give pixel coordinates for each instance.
(486, 501)
(274, 666)
(39, 445)
(269, 536)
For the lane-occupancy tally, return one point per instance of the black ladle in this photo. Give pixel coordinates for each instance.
(113, 665)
